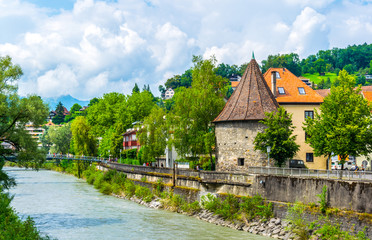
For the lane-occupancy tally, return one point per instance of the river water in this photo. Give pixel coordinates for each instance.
(65, 207)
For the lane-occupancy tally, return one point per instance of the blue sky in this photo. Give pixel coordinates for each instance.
(86, 48)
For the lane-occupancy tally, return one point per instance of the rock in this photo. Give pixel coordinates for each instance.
(271, 225)
(245, 228)
(276, 231)
(275, 236)
(278, 221)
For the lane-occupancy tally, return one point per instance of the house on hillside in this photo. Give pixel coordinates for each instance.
(130, 139)
(238, 123)
(36, 132)
(169, 93)
(300, 100)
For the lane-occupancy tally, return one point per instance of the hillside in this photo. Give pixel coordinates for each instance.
(66, 100)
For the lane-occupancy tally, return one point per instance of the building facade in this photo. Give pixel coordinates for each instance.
(130, 139)
(300, 100)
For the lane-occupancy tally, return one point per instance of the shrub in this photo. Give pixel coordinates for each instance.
(253, 207)
(143, 193)
(323, 200)
(119, 179)
(229, 208)
(299, 226)
(106, 188)
(210, 202)
(158, 187)
(129, 188)
(116, 189)
(109, 175)
(98, 180)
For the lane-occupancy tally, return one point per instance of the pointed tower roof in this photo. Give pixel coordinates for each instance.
(251, 99)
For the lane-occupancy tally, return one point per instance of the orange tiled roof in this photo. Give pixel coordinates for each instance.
(291, 83)
(323, 92)
(368, 95)
(234, 84)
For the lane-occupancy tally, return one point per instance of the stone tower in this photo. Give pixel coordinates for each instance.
(238, 123)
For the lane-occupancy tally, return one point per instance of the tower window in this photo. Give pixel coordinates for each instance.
(240, 161)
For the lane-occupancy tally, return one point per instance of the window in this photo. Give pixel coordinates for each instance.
(309, 157)
(309, 114)
(240, 161)
(281, 90)
(277, 75)
(301, 90)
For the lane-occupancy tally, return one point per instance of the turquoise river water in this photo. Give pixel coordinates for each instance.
(65, 207)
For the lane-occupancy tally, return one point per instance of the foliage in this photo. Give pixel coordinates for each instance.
(74, 112)
(12, 227)
(289, 61)
(323, 201)
(15, 114)
(256, 207)
(56, 139)
(158, 187)
(195, 108)
(298, 223)
(135, 89)
(330, 231)
(343, 125)
(84, 142)
(277, 135)
(153, 135)
(60, 114)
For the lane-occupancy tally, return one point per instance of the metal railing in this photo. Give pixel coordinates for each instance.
(335, 174)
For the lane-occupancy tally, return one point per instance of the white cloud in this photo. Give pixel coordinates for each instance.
(308, 32)
(101, 46)
(60, 81)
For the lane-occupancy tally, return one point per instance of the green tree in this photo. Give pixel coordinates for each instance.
(277, 135)
(328, 83)
(15, 113)
(74, 112)
(135, 89)
(60, 116)
(196, 107)
(57, 139)
(343, 125)
(320, 65)
(321, 84)
(84, 143)
(153, 135)
(361, 80)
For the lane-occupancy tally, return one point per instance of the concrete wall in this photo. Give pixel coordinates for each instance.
(352, 195)
(234, 140)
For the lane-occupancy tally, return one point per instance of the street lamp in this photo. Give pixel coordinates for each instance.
(268, 149)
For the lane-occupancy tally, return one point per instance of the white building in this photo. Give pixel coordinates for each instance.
(168, 93)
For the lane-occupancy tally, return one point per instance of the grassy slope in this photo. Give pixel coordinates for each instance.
(316, 78)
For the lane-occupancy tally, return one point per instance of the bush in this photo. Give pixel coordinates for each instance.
(229, 208)
(143, 193)
(109, 175)
(191, 208)
(106, 188)
(116, 189)
(298, 224)
(98, 181)
(210, 202)
(253, 207)
(12, 227)
(158, 187)
(323, 203)
(129, 189)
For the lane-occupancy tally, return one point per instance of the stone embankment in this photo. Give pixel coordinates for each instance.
(274, 228)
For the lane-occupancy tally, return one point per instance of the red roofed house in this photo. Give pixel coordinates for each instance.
(130, 139)
(300, 100)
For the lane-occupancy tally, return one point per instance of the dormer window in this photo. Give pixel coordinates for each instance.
(301, 90)
(281, 90)
(277, 75)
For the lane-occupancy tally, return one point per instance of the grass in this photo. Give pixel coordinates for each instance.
(316, 78)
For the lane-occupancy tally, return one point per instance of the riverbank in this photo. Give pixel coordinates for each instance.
(273, 227)
(251, 214)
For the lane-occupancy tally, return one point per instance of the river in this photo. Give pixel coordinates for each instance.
(64, 207)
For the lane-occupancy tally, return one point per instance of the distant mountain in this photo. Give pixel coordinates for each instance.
(66, 100)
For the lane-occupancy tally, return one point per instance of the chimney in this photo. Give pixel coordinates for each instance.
(273, 83)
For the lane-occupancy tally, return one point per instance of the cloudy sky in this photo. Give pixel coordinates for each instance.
(89, 47)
